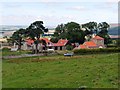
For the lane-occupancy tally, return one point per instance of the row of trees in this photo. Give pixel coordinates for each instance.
(76, 33)
(72, 31)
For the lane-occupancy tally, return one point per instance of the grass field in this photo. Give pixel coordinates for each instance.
(91, 71)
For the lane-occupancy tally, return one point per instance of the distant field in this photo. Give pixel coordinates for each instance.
(91, 71)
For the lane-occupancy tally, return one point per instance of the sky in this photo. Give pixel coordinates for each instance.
(54, 12)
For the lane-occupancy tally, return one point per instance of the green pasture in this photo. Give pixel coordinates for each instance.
(57, 71)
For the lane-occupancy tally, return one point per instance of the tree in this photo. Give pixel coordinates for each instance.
(103, 32)
(34, 31)
(17, 37)
(103, 26)
(90, 29)
(70, 31)
(74, 33)
(59, 30)
(59, 33)
(69, 47)
(118, 42)
(54, 39)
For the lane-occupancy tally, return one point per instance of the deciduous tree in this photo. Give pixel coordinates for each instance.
(103, 32)
(34, 31)
(17, 37)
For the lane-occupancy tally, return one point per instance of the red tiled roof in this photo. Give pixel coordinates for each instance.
(82, 47)
(61, 42)
(56, 44)
(90, 44)
(98, 37)
(76, 48)
(29, 41)
(46, 40)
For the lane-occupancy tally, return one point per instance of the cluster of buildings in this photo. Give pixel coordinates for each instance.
(60, 45)
(95, 42)
(28, 44)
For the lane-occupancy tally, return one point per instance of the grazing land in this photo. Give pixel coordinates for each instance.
(91, 71)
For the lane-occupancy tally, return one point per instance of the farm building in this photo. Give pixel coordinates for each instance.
(60, 45)
(95, 42)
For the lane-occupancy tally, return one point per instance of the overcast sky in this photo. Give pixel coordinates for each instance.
(52, 12)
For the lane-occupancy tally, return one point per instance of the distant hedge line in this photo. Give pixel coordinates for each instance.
(95, 51)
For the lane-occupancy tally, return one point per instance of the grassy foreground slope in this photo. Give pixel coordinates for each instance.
(92, 71)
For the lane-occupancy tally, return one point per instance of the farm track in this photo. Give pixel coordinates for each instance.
(21, 56)
(47, 59)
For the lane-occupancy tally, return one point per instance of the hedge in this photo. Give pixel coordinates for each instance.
(5, 49)
(96, 51)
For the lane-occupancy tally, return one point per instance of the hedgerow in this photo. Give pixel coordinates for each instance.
(95, 51)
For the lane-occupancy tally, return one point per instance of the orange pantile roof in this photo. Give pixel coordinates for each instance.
(98, 37)
(82, 47)
(57, 44)
(90, 44)
(61, 42)
(29, 41)
(46, 40)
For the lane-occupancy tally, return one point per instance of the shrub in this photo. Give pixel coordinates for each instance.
(95, 51)
(5, 49)
(69, 47)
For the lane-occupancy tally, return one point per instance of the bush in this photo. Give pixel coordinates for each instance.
(5, 49)
(69, 47)
(96, 51)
